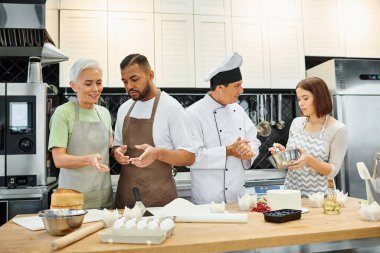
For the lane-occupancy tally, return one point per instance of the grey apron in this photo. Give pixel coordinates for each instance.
(307, 180)
(89, 138)
(155, 182)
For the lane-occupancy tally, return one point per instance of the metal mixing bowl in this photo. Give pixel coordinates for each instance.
(62, 221)
(284, 159)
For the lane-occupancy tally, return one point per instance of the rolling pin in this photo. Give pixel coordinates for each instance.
(77, 235)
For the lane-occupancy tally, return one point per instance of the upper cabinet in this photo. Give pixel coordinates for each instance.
(289, 9)
(250, 39)
(52, 25)
(213, 43)
(362, 28)
(287, 61)
(267, 8)
(212, 7)
(97, 5)
(323, 27)
(52, 4)
(185, 39)
(173, 6)
(174, 48)
(128, 33)
(78, 39)
(247, 8)
(130, 5)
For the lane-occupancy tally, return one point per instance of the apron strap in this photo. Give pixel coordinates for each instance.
(76, 106)
(156, 99)
(130, 109)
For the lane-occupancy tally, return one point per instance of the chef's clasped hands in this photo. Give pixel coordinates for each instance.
(241, 149)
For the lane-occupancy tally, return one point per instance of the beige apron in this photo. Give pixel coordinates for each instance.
(89, 138)
(155, 182)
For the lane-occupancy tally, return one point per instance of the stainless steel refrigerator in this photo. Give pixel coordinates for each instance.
(355, 86)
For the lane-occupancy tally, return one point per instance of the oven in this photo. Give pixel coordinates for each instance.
(23, 134)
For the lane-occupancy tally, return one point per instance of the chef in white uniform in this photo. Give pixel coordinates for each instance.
(224, 137)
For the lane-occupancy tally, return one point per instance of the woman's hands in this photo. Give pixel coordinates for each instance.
(298, 164)
(277, 146)
(94, 159)
(302, 160)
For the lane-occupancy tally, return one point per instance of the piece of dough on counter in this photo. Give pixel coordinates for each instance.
(284, 199)
(66, 199)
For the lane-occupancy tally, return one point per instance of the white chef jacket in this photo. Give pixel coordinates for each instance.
(214, 176)
(170, 126)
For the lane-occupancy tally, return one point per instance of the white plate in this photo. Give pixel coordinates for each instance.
(304, 210)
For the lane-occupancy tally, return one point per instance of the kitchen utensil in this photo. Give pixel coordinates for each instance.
(282, 215)
(376, 170)
(272, 121)
(263, 128)
(364, 174)
(77, 235)
(284, 159)
(280, 123)
(34, 70)
(62, 221)
(136, 194)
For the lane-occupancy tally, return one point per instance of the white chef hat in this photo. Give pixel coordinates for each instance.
(226, 72)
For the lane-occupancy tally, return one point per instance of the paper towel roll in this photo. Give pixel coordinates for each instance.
(214, 217)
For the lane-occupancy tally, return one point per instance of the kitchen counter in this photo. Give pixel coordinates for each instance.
(343, 231)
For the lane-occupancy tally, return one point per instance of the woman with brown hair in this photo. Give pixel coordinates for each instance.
(321, 139)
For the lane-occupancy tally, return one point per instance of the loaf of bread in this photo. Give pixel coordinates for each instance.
(66, 199)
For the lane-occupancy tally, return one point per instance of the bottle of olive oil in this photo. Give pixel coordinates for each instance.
(331, 204)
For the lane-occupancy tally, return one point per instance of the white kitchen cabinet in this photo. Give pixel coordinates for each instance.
(250, 39)
(323, 27)
(52, 25)
(128, 33)
(130, 5)
(212, 7)
(52, 5)
(267, 8)
(247, 8)
(287, 59)
(213, 43)
(362, 28)
(83, 34)
(173, 6)
(97, 5)
(174, 48)
(290, 9)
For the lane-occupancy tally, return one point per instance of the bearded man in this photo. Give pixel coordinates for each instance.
(151, 136)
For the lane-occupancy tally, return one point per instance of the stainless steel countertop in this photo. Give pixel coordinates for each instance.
(27, 192)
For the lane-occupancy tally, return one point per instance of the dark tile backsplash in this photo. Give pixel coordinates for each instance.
(248, 101)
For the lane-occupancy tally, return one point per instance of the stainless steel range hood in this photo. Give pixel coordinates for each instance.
(23, 31)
